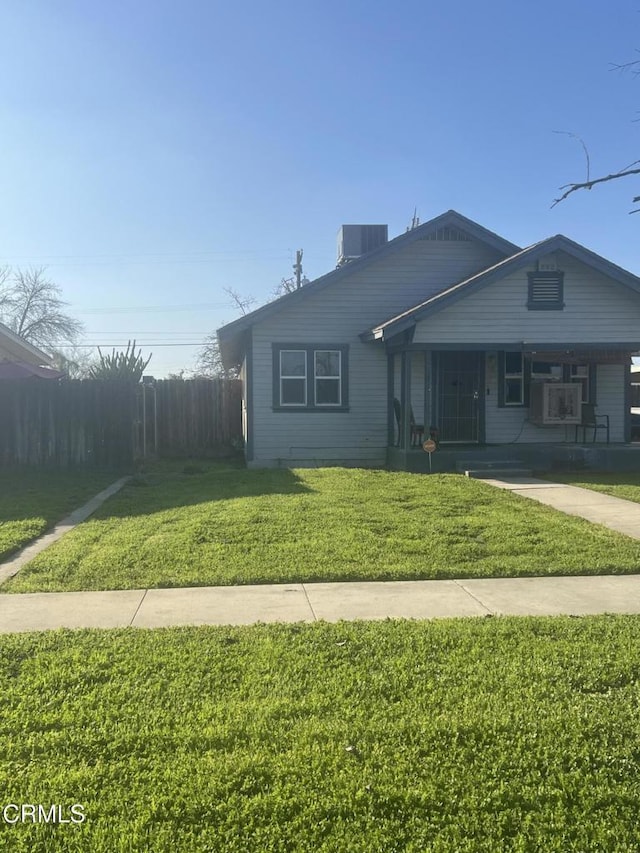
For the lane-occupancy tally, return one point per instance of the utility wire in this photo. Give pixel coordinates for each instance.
(123, 343)
(130, 309)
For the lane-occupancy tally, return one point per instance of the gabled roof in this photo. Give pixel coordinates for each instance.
(231, 336)
(452, 294)
(23, 349)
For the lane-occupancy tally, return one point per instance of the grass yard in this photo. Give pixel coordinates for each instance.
(626, 486)
(234, 526)
(458, 736)
(33, 500)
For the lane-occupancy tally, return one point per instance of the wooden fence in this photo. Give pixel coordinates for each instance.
(110, 423)
(193, 417)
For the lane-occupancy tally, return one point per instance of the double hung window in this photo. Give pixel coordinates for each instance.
(516, 372)
(293, 377)
(513, 388)
(312, 377)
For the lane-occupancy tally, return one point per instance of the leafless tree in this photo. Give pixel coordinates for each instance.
(31, 305)
(209, 361)
(289, 285)
(243, 303)
(76, 363)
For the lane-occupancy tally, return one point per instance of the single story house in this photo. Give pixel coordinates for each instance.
(21, 360)
(448, 332)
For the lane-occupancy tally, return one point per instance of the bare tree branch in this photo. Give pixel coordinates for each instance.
(633, 65)
(242, 303)
(76, 363)
(587, 185)
(584, 148)
(287, 285)
(209, 361)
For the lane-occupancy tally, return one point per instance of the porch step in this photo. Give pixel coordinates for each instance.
(492, 468)
(497, 473)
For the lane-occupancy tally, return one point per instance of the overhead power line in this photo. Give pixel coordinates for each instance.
(131, 309)
(150, 259)
(117, 344)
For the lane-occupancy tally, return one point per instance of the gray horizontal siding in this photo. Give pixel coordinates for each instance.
(596, 309)
(338, 315)
(360, 434)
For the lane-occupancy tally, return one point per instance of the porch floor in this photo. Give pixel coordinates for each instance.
(538, 457)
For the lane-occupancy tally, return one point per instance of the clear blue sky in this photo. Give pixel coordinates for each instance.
(154, 153)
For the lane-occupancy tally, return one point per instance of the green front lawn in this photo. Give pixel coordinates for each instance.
(469, 736)
(226, 525)
(32, 500)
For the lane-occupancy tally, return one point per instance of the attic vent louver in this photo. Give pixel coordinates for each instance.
(546, 291)
(450, 234)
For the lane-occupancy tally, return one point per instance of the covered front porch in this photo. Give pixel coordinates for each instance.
(519, 402)
(536, 457)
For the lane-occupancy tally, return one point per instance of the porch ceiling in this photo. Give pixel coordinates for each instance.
(582, 356)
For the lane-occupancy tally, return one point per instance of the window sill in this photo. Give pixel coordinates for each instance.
(307, 410)
(535, 306)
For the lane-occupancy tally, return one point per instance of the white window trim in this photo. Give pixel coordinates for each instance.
(297, 376)
(520, 376)
(337, 379)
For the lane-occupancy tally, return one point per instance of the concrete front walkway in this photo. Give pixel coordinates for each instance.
(158, 608)
(13, 565)
(614, 513)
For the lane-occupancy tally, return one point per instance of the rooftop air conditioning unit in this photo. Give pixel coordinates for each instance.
(555, 403)
(357, 240)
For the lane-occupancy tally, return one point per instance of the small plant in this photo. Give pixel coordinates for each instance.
(190, 468)
(139, 480)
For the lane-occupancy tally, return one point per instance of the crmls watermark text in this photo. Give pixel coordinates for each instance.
(37, 813)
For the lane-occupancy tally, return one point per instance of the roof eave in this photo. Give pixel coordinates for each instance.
(27, 347)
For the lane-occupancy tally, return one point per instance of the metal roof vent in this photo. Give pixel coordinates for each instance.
(357, 240)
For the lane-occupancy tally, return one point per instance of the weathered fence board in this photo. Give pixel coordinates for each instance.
(43, 422)
(196, 416)
(109, 423)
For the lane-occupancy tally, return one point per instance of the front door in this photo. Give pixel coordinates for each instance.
(458, 396)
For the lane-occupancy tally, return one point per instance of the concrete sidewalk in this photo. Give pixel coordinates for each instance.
(159, 608)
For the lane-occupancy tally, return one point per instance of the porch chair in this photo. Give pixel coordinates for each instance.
(590, 420)
(416, 431)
